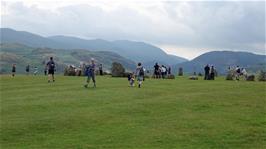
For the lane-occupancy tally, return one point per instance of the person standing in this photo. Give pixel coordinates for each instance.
(207, 72)
(13, 70)
(27, 69)
(140, 74)
(101, 69)
(51, 69)
(212, 73)
(35, 70)
(238, 71)
(163, 71)
(45, 70)
(90, 73)
(156, 70)
(244, 73)
(169, 70)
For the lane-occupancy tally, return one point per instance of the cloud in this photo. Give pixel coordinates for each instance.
(195, 27)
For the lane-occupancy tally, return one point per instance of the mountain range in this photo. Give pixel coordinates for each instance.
(135, 51)
(23, 47)
(222, 60)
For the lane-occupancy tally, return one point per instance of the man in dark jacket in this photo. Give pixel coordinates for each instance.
(51, 69)
(207, 72)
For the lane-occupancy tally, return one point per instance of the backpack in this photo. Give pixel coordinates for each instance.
(238, 70)
(141, 71)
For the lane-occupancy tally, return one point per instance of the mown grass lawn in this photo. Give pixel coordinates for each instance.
(178, 113)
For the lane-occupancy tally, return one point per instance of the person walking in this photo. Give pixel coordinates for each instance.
(90, 73)
(51, 69)
(140, 74)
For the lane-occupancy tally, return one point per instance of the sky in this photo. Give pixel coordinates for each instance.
(182, 28)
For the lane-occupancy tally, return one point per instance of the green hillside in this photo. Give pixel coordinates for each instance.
(163, 114)
(23, 55)
(135, 51)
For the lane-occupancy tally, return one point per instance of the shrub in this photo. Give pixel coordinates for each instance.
(262, 76)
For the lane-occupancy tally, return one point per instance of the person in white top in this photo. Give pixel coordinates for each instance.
(163, 71)
(244, 73)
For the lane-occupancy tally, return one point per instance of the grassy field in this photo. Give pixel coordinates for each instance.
(178, 113)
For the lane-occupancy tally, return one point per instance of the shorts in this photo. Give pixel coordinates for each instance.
(140, 78)
(51, 71)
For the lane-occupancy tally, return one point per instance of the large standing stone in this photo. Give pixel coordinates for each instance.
(230, 75)
(117, 70)
(180, 71)
(250, 78)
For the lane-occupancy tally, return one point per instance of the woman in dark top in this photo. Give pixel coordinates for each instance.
(13, 70)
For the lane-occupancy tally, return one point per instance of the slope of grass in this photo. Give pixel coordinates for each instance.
(177, 113)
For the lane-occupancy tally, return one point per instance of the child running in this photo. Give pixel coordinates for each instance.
(90, 73)
(131, 79)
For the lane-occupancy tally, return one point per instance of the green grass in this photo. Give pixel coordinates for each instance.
(178, 113)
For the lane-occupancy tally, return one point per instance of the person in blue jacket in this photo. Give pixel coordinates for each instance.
(90, 73)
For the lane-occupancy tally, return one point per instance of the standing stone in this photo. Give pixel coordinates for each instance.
(180, 71)
(230, 75)
(117, 70)
(250, 78)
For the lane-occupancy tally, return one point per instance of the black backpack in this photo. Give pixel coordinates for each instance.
(238, 70)
(141, 72)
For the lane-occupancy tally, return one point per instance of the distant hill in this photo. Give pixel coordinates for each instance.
(223, 59)
(23, 55)
(135, 51)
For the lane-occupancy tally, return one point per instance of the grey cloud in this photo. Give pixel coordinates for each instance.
(208, 25)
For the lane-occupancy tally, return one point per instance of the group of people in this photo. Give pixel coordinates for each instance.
(35, 72)
(50, 67)
(239, 72)
(161, 71)
(209, 72)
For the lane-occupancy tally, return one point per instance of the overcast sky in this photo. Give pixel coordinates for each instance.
(183, 28)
